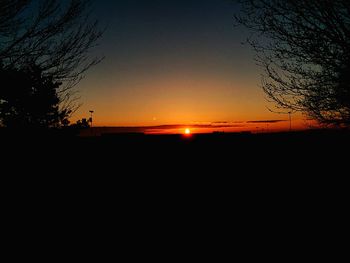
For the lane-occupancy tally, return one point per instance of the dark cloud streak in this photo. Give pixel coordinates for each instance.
(161, 128)
(266, 121)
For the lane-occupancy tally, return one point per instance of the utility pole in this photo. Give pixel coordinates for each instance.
(290, 117)
(91, 112)
(290, 121)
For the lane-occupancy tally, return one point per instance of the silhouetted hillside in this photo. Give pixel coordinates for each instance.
(244, 174)
(227, 150)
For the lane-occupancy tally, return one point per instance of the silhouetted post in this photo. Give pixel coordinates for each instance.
(290, 121)
(91, 112)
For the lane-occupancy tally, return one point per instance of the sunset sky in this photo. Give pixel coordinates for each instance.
(175, 62)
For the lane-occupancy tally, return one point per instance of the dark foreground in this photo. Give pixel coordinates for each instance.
(218, 165)
(246, 165)
(218, 153)
(267, 186)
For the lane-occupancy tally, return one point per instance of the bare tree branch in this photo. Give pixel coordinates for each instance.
(57, 36)
(304, 48)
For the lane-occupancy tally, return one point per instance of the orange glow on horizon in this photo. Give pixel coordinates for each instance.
(262, 124)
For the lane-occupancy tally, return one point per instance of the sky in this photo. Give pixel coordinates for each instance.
(174, 62)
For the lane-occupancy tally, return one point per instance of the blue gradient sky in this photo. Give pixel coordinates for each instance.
(172, 62)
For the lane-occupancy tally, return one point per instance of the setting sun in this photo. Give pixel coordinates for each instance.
(187, 131)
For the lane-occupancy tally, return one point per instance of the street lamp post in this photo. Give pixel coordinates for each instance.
(91, 112)
(290, 121)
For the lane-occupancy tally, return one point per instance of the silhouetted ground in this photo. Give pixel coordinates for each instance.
(218, 165)
(225, 153)
(253, 184)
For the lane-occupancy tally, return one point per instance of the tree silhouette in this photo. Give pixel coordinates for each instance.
(28, 99)
(56, 36)
(82, 124)
(304, 49)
